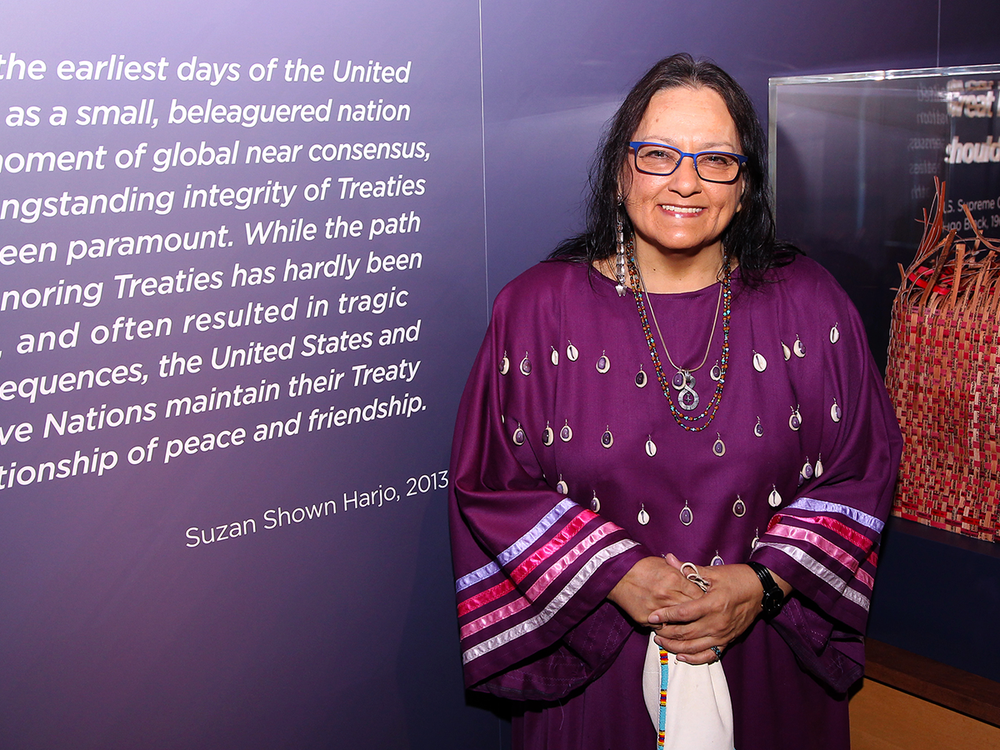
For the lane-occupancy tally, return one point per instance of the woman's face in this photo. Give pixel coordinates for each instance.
(680, 213)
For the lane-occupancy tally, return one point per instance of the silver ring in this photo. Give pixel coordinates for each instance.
(717, 651)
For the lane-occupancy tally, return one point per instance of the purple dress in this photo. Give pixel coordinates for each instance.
(568, 468)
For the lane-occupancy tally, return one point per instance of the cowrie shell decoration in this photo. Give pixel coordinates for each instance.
(650, 447)
(785, 351)
(572, 353)
(799, 348)
(759, 362)
(819, 466)
(554, 356)
(504, 364)
(835, 334)
(774, 499)
(595, 504)
(643, 516)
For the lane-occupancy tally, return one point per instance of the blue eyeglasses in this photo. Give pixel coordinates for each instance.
(711, 166)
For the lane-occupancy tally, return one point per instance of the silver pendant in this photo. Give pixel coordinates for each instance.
(795, 421)
(819, 466)
(548, 435)
(785, 351)
(607, 439)
(686, 516)
(682, 379)
(643, 515)
(572, 353)
(799, 348)
(759, 362)
(835, 334)
(758, 429)
(566, 433)
(554, 356)
(525, 365)
(640, 378)
(807, 469)
(715, 373)
(688, 399)
(603, 363)
(595, 504)
(774, 499)
(650, 447)
(739, 507)
(836, 413)
(620, 288)
(504, 364)
(518, 436)
(561, 486)
(717, 560)
(719, 448)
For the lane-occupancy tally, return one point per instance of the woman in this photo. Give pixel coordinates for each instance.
(674, 385)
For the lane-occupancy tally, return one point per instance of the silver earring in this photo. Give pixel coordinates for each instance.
(620, 254)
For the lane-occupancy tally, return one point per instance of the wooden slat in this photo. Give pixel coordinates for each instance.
(933, 681)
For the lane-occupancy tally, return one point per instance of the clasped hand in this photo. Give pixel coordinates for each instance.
(687, 621)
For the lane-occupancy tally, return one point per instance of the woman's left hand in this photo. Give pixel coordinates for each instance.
(732, 602)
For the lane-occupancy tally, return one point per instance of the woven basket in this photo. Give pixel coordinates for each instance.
(943, 376)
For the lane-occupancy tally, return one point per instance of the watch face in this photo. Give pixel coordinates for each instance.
(771, 604)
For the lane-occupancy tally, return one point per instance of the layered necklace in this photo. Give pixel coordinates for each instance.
(683, 380)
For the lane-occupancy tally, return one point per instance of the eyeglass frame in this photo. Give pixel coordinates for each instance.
(636, 145)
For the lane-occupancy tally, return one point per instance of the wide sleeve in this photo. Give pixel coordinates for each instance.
(533, 567)
(825, 543)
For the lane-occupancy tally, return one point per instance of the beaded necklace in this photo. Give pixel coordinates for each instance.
(685, 420)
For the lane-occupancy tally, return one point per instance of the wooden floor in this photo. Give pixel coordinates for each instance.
(883, 718)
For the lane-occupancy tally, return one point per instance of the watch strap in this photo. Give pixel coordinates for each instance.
(773, 595)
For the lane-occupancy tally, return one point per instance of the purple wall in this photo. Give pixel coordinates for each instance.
(338, 631)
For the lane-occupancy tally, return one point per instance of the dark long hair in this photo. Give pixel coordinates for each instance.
(750, 235)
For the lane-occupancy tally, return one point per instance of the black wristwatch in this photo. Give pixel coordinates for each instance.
(774, 597)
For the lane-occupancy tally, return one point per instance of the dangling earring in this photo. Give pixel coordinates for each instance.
(620, 252)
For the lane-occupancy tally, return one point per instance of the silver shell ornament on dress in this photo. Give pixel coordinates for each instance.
(739, 507)
(818, 468)
(835, 333)
(566, 432)
(518, 437)
(717, 560)
(774, 499)
(561, 486)
(554, 357)
(595, 504)
(719, 447)
(572, 353)
(650, 446)
(799, 348)
(686, 515)
(836, 413)
(641, 379)
(759, 362)
(785, 351)
(758, 429)
(607, 439)
(807, 470)
(603, 363)
(525, 365)
(548, 435)
(756, 540)
(504, 364)
(795, 420)
(715, 373)
(643, 516)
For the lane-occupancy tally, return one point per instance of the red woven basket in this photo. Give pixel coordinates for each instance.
(943, 377)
